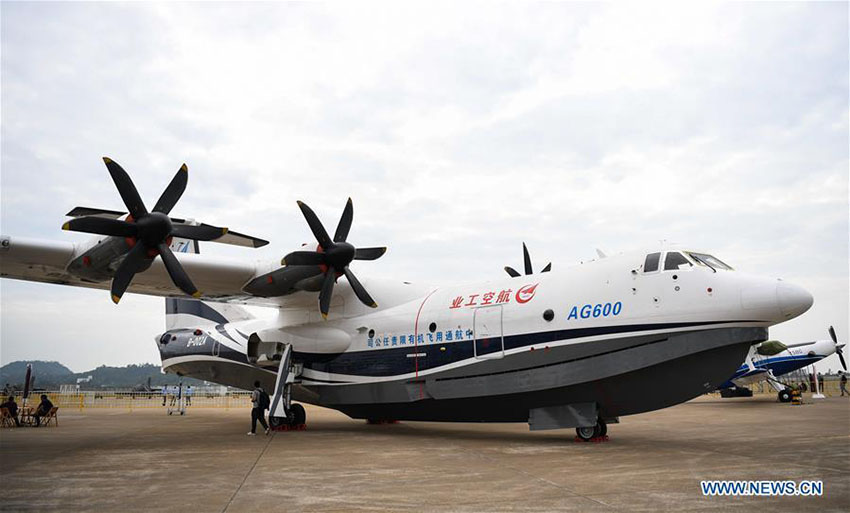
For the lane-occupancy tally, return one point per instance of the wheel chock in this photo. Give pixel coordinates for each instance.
(285, 427)
(595, 439)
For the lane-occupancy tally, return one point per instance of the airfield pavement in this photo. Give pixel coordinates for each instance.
(144, 460)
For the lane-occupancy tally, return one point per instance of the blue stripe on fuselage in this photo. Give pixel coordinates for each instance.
(779, 365)
(393, 361)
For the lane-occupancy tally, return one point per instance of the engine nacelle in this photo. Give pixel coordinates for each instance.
(99, 261)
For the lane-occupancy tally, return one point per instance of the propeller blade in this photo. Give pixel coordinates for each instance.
(547, 268)
(315, 226)
(832, 335)
(344, 225)
(176, 271)
(202, 232)
(511, 272)
(173, 192)
(369, 253)
(303, 258)
(841, 357)
(102, 226)
(126, 189)
(527, 259)
(326, 293)
(361, 293)
(125, 272)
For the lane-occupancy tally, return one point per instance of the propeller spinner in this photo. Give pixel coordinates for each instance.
(148, 233)
(527, 261)
(333, 256)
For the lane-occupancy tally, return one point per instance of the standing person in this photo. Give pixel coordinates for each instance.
(842, 383)
(173, 393)
(12, 406)
(189, 395)
(164, 393)
(260, 402)
(43, 409)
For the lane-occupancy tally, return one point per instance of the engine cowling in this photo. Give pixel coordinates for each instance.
(267, 345)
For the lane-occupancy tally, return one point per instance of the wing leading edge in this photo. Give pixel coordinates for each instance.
(219, 279)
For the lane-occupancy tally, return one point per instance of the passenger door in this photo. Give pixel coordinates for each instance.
(487, 332)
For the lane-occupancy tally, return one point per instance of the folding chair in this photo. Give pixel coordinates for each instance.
(51, 416)
(6, 419)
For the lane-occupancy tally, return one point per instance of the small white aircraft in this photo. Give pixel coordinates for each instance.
(770, 360)
(577, 347)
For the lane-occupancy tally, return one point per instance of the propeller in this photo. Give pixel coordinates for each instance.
(527, 261)
(333, 256)
(148, 233)
(838, 347)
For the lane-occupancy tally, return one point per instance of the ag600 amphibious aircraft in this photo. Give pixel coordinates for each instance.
(576, 347)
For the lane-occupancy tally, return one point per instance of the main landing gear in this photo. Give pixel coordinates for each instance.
(285, 415)
(295, 420)
(597, 433)
(784, 395)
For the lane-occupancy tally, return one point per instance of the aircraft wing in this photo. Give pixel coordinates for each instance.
(752, 376)
(218, 278)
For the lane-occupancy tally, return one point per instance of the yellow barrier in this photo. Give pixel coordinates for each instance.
(134, 400)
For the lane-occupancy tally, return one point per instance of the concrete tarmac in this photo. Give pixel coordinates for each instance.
(144, 460)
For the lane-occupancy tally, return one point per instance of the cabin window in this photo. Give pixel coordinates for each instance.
(674, 261)
(709, 261)
(650, 265)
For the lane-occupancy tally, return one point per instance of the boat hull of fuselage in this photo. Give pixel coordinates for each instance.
(622, 376)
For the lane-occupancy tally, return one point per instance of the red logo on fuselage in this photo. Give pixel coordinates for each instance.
(525, 294)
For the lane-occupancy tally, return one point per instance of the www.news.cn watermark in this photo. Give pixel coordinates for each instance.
(761, 488)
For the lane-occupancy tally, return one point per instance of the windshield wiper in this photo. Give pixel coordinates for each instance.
(698, 259)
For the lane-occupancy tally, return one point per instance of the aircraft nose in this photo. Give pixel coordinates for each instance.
(793, 299)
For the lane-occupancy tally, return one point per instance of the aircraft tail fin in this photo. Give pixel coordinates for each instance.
(190, 313)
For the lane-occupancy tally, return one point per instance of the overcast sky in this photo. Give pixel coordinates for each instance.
(459, 131)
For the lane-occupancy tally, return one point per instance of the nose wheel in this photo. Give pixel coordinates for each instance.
(596, 433)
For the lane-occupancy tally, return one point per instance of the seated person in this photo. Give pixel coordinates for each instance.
(12, 406)
(42, 409)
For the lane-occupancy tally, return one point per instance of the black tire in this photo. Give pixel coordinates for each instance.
(277, 421)
(602, 428)
(587, 433)
(785, 396)
(299, 416)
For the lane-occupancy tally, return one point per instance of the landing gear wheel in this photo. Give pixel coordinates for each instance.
(785, 396)
(590, 432)
(586, 433)
(603, 428)
(299, 416)
(277, 421)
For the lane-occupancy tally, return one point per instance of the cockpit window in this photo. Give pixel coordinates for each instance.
(675, 261)
(709, 261)
(650, 265)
